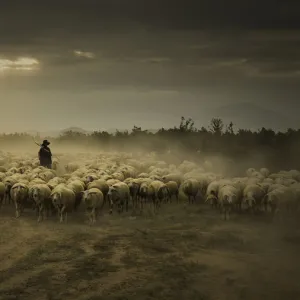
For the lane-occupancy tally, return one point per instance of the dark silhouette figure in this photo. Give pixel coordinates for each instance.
(45, 155)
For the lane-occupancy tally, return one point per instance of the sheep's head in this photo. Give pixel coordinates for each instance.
(230, 199)
(113, 194)
(56, 199)
(83, 195)
(8, 186)
(35, 194)
(249, 202)
(212, 199)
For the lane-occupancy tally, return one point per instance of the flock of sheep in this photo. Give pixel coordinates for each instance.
(120, 181)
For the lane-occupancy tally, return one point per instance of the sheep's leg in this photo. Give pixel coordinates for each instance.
(92, 216)
(17, 209)
(96, 214)
(62, 211)
(1, 201)
(141, 205)
(61, 219)
(111, 205)
(41, 213)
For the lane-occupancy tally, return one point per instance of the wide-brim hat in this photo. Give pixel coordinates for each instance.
(46, 142)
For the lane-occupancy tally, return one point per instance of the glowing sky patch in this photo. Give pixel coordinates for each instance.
(79, 53)
(21, 63)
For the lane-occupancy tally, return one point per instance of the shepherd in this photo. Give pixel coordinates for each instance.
(45, 155)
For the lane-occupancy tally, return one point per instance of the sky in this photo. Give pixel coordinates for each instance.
(100, 64)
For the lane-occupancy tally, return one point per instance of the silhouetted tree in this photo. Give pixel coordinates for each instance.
(216, 126)
(229, 128)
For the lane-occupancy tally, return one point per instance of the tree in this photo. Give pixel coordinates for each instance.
(229, 128)
(138, 130)
(216, 126)
(187, 125)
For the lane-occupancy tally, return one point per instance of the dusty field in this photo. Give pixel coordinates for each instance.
(185, 254)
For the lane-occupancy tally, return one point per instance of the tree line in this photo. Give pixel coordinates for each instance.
(280, 148)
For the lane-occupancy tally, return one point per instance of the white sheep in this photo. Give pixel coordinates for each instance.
(252, 196)
(63, 200)
(93, 200)
(40, 194)
(19, 195)
(119, 194)
(227, 198)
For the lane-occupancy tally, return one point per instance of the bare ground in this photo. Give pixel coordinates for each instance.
(183, 253)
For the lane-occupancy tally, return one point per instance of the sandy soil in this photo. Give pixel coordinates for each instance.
(182, 253)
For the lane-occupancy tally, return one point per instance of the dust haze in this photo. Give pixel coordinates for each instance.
(182, 250)
(138, 205)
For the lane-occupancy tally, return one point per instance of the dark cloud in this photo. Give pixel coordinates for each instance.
(32, 18)
(149, 53)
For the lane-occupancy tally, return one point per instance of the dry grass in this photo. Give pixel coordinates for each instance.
(184, 254)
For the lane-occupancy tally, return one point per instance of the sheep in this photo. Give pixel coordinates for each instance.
(19, 195)
(119, 194)
(93, 200)
(38, 181)
(77, 187)
(40, 194)
(52, 183)
(252, 196)
(265, 172)
(159, 193)
(212, 193)
(173, 190)
(71, 167)
(143, 175)
(90, 178)
(213, 189)
(227, 197)
(283, 199)
(190, 188)
(102, 186)
(8, 182)
(63, 200)
(134, 186)
(112, 181)
(250, 171)
(128, 171)
(47, 175)
(172, 177)
(3, 169)
(55, 163)
(118, 175)
(203, 180)
(143, 193)
(2, 193)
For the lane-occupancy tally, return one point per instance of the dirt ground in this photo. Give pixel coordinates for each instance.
(183, 253)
